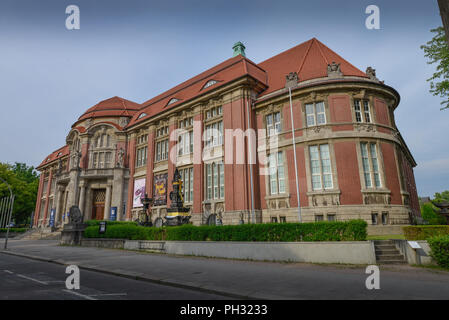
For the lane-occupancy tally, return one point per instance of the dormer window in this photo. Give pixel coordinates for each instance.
(143, 114)
(210, 83)
(173, 100)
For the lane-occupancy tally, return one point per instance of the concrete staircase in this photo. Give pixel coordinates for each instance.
(40, 234)
(387, 253)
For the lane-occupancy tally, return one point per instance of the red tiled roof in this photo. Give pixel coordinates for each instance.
(225, 72)
(114, 106)
(309, 60)
(61, 152)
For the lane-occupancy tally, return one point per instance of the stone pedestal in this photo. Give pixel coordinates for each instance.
(72, 234)
(73, 231)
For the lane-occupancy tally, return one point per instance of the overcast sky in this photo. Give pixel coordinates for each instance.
(137, 49)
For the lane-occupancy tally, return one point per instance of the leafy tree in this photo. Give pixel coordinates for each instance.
(437, 51)
(24, 182)
(430, 214)
(442, 197)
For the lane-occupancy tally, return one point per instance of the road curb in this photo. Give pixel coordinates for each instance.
(139, 277)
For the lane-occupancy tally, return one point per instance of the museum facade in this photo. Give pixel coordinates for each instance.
(303, 136)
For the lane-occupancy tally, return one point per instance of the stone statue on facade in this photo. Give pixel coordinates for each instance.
(121, 158)
(333, 70)
(371, 73)
(291, 80)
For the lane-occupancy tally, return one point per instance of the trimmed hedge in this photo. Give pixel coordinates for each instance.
(424, 232)
(354, 230)
(440, 250)
(17, 230)
(110, 223)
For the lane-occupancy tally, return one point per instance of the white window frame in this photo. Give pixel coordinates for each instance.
(370, 165)
(320, 160)
(215, 181)
(276, 177)
(315, 114)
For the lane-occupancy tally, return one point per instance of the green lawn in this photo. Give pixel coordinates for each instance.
(386, 237)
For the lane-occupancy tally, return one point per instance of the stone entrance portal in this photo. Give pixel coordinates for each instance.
(99, 197)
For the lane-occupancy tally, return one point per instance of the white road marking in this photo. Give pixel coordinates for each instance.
(7, 271)
(79, 294)
(108, 294)
(35, 280)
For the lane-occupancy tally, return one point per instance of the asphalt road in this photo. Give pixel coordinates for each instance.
(23, 278)
(223, 277)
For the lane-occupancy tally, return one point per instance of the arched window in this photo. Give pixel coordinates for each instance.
(101, 150)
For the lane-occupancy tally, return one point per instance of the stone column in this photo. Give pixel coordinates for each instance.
(107, 204)
(82, 199)
(58, 204)
(47, 198)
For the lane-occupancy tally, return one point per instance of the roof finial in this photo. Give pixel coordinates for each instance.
(239, 48)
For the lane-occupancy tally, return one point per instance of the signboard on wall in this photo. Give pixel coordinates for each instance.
(139, 192)
(52, 218)
(113, 215)
(160, 189)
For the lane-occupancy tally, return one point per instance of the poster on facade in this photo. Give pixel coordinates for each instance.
(160, 189)
(139, 192)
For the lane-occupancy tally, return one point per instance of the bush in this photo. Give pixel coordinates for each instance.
(440, 250)
(424, 232)
(354, 230)
(429, 213)
(110, 223)
(17, 230)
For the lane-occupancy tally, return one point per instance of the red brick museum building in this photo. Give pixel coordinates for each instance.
(351, 160)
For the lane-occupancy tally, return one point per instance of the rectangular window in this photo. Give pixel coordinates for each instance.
(274, 219)
(185, 143)
(374, 219)
(315, 114)
(214, 134)
(331, 217)
(108, 159)
(319, 217)
(187, 187)
(162, 150)
(277, 173)
(215, 180)
(370, 165)
(358, 111)
(273, 123)
(141, 156)
(362, 115)
(321, 168)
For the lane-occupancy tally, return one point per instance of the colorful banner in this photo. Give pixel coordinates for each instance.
(160, 189)
(139, 192)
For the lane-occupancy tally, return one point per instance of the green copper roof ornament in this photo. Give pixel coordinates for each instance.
(239, 48)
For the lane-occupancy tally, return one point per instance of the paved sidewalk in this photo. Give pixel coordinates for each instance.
(259, 280)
